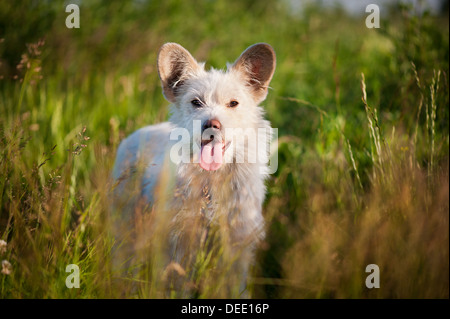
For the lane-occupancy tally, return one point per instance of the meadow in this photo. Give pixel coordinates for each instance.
(363, 150)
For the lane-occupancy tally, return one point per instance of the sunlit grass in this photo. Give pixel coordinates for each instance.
(363, 151)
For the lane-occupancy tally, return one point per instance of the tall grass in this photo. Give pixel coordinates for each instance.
(363, 150)
(399, 223)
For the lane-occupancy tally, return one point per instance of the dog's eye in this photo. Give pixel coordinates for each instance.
(197, 103)
(233, 103)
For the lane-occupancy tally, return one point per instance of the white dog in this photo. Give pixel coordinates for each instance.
(218, 179)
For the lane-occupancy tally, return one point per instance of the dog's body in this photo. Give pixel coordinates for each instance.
(214, 185)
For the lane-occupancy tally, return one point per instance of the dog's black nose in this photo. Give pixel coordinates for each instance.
(212, 124)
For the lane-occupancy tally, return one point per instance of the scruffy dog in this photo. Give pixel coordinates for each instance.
(209, 183)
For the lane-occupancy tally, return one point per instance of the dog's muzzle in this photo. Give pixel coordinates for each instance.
(213, 146)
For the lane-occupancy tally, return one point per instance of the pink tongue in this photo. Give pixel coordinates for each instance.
(211, 156)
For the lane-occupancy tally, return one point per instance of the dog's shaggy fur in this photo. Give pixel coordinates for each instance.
(230, 193)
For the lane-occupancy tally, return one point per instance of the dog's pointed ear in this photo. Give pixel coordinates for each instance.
(175, 64)
(257, 65)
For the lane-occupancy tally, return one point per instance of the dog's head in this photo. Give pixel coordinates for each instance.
(223, 103)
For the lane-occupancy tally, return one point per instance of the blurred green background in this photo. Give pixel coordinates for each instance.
(59, 86)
